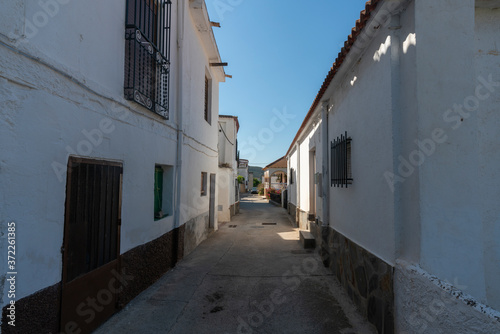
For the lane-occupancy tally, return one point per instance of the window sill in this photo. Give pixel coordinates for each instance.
(160, 218)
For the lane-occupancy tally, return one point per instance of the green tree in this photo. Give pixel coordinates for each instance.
(241, 179)
(256, 182)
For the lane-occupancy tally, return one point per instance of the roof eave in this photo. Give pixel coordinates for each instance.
(274, 162)
(235, 118)
(372, 9)
(199, 13)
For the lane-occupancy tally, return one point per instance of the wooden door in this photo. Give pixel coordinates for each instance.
(91, 248)
(212, 202)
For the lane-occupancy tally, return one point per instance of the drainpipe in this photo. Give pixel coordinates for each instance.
(326, 179)
(180, 134)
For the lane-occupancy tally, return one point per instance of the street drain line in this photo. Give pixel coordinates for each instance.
(302, 251)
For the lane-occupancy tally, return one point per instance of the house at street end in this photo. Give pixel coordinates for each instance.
(109, 139)
(243, 171)
(394, 169)
(227, 177)
(275, 175)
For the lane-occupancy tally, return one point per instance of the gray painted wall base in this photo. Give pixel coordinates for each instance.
(140, 266)
(234, 209)
(302, 221)
(196, 230)
(367, 279)
(292, 211)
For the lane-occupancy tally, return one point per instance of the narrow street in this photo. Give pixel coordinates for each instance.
(251, 276)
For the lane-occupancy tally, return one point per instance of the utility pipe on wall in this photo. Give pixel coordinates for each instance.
(179, 105)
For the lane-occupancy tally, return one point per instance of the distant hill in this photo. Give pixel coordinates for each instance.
(257, 171)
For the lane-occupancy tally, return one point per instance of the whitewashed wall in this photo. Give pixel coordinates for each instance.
(448, 201)
(487, 51)
(303, 175)
(227, 146)
(315, 143)
(292, 168)
(310, 139)
(200, 152)
(364, 212)
(226, 193)
(226, 176)
(459, 185)
(406, 123)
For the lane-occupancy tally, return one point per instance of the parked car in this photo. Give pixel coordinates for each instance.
(254, 190)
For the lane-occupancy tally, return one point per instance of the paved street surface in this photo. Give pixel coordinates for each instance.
(248, 277)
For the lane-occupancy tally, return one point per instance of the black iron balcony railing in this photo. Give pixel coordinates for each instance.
(341, 161)
(147, 54)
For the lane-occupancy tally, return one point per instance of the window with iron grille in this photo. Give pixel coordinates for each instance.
(203, 183)
(237, 152)
(207, 111)
(341, 161)
(147, 54)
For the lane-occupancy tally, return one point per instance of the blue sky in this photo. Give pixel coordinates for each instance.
(279, 53)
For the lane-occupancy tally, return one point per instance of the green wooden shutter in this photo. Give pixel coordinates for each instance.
(158, 192)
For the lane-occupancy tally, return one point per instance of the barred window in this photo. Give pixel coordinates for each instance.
(203, 183)
(206, 99)
(147, 54)
(341, 161)
(207, 111)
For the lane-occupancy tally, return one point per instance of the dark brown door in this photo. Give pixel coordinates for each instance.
(212, 202)
(91, 248)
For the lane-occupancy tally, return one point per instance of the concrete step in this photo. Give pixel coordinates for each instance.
(307, 239)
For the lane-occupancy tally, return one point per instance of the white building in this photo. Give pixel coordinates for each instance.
(395, 167)
(275, 175)
(243, 171)
(109, 132)
(227, 182)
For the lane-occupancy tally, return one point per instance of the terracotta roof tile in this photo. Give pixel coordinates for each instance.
(280, 163)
